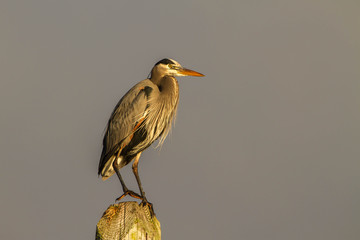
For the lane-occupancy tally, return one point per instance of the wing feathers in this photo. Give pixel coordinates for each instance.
(125, 119)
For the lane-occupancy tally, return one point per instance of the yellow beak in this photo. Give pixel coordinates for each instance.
(188, 72)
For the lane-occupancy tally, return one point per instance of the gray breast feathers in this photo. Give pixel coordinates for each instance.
(160, 113)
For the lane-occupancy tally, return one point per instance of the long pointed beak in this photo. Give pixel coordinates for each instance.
(188, 72)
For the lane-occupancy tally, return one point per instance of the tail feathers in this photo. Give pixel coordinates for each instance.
(108, 169)
(104, 178)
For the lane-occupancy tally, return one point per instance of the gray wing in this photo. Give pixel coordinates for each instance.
(130, 109)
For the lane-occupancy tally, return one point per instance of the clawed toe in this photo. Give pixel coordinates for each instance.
(131, 193)
(145, 203)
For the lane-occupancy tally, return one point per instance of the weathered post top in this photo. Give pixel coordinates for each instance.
(128, 220)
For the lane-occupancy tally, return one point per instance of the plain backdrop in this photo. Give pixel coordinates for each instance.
(266, 146)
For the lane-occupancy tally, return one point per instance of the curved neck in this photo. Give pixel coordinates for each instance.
(166, 84)
(156, 76)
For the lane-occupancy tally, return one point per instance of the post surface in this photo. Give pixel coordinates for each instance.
(128, 220)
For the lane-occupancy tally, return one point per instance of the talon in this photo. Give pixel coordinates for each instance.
(145, 203)
(131, 193)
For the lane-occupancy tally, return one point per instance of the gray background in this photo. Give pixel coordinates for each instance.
(266, 146)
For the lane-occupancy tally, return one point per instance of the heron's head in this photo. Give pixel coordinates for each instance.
(170, 67)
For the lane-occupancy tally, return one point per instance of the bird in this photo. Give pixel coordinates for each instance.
(143, 115)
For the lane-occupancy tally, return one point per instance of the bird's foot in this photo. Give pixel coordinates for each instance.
(145, 203)
(130, 193)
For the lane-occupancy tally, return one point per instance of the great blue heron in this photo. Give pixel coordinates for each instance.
(143, 114)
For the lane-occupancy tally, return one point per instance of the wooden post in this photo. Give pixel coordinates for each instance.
(128, 221)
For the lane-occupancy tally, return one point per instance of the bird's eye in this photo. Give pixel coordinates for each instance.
(173, 67)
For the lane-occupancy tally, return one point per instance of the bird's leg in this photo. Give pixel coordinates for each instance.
(136, 173)
(125, 189)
